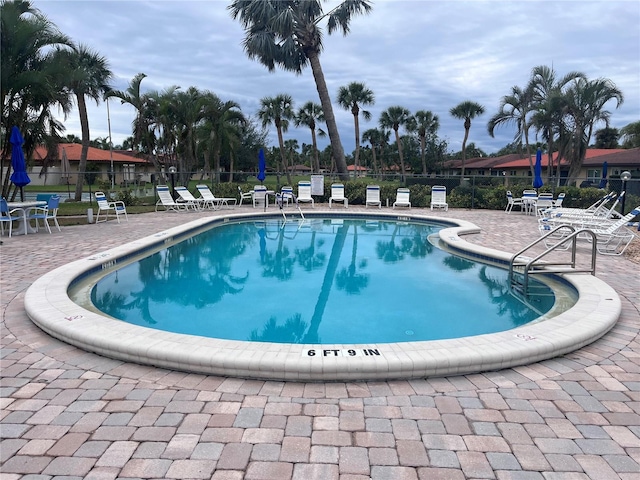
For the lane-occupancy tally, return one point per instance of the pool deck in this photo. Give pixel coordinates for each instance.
(68, 414)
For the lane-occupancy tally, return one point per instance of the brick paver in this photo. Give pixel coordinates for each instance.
(72, 414)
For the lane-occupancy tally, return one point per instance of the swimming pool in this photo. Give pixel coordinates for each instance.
(48, 304)
(321, 280)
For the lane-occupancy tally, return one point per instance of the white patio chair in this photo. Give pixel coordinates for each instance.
(373, 196)
(106, 206)
(285, 196)
(245, 195)
(439, 197)
(512, 202)
(337, 195)
(46, 213)
(166, 200)
(543, 202)
(304, 193)
(402, 198)
(259, 197)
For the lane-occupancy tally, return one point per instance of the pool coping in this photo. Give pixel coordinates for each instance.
(48, 305)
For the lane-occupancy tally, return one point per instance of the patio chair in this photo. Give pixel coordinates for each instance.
(402, 198)
(207, 197)
(7, 216)
(284, 196)
(304, 192)
(186, 197)
(166, 200)
(337, 195)
(46, 213)
(616, 237)
(557, 203)
(106, 206)
(529, 200)
(543, 202)
(512, 202)
(245, 195)
(439, 197)
(260, 198)
(373, 196)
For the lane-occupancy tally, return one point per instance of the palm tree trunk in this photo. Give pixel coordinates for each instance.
(84, 127)
(464, 149)
(423, 153)
(283, 155)
(330, 119)
(357, 155)
(316, 167)
(400, 154)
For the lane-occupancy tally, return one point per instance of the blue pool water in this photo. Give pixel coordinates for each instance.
(321, 281)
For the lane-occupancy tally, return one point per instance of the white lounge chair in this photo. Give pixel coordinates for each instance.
(104, 205)
(6, 215)
(259, 197)
(439, 197)
(402, 198)
(209, 199)
(337, 195)
(46, 213)
(512, 202)
(373, 196)
(187, 198)
(557, 203)
(544, 202)
(167, 201)
(304, 193)
(610, 235)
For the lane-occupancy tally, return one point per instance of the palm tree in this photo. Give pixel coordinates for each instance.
(394, 118)
(278, 110)
(466, 111)
(515, 108)
(287, 34)
(547, 98)
(88, 76)
(223, 121)
(31, 82)
(308, 115)
(630, 135)
(134, 97)
(351, 97)
(378, 138)
(426, 124)
(585, 102)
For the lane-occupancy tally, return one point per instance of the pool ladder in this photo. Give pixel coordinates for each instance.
(522, 267)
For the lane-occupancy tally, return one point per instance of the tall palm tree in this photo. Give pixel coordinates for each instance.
(287, 33)
(88, 76)
(352, 97)
(426, 124)
(515, 108)
(223, 121)
(630, 135)
(585, 102)
(548, 104)
(308, 115)
(31, 82)
(278, 110)
(394, 118)
(134, 97)
(466, 111)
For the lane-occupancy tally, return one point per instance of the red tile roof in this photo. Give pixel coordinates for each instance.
(73, 151)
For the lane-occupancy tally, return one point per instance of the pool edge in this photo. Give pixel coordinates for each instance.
(49, 307)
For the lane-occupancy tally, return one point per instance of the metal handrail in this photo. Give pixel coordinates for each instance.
(529, 266)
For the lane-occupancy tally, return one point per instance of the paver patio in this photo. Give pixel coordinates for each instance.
(66, 413)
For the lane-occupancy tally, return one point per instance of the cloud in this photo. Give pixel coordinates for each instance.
(422, 55)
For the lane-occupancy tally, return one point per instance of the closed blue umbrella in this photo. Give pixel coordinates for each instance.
(603, 182)
(262, 166)
(537, 180)
(19, 176)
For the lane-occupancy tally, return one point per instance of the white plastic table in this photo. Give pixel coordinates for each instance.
(24, 226)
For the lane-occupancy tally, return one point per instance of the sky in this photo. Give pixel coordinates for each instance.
(418, 54)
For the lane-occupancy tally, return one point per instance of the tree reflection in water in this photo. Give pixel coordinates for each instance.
(291, 332)
(501, 296)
